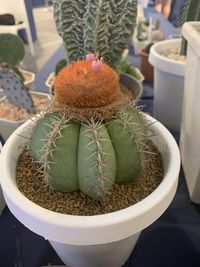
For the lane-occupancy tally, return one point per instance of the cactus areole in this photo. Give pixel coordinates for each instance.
(88, 140)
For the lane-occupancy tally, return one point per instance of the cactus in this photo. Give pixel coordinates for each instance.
(11, 51)
(102, 26)
(91, 153)
(190, 12)
(15, 89)
(60, 65)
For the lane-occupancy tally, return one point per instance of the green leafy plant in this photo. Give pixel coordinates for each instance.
(190, 12)
(125, 67)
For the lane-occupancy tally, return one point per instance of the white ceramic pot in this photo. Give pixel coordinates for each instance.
(9, 126)
(2, 201)
(190, 126)
(168, 83)
(104, 240)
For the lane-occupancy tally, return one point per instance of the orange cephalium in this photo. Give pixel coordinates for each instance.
(80, 85)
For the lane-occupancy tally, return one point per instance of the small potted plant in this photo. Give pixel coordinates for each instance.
(12, 53)
(17, 103)
(90, 140)
(168, 58)
(141, 35)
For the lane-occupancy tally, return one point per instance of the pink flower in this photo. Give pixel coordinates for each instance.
(96, 65)
(90, 57)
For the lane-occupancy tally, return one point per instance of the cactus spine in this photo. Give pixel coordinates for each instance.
(102, 26)
(191, 12)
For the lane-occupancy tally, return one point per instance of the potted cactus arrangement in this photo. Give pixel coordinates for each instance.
(168, 58)
(17, 103)
(73, 179)
(12, 52)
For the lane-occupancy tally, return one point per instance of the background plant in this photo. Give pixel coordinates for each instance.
(191, 12)
(12, 51)
(15, 90)
(103, 26)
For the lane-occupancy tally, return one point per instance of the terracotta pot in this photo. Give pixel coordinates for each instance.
(145, 67)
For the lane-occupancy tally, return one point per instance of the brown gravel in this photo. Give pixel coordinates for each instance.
(11, 112)
(175, 55)
(76, 203)
(127, 92)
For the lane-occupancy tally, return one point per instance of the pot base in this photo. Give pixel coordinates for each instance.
(103, 255)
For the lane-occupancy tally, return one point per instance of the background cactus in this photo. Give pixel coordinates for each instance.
(89, 154)
(191, 12)
(11, 51)
(102, 26)
(15, 90)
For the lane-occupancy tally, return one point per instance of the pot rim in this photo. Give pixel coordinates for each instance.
(163, 63)
(32, 74)
(104, 228)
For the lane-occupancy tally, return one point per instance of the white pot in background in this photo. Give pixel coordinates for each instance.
(138, 45)
(30, 80)
(9, 126)
(168, 83)
(103, 240)
(190, 124)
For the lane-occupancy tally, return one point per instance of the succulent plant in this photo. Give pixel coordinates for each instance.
(190, 12)
(15, 90)
(142, 30)
(87, 141)
(11, 51)
(103, 27)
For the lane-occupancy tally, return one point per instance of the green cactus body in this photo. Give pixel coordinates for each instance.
(11, 49)
(54, 144)
(128, 133)
(96, 160)
(101, 26)
(90, 156)
(15, 90)
(191, 12)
